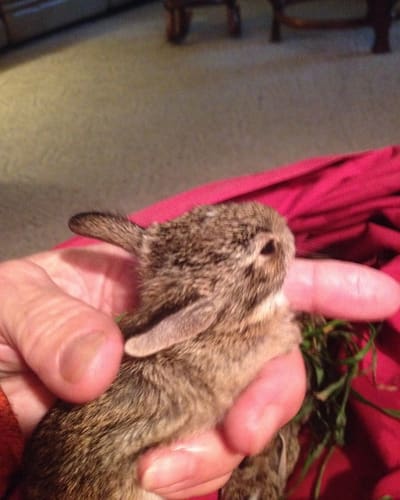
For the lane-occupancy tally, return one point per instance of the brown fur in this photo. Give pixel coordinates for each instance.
(225, 260)
(264, 476)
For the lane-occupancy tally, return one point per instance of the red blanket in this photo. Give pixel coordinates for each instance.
(347, 207)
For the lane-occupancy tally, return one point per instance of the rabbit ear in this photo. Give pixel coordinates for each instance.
(115, 229)
(182, 325)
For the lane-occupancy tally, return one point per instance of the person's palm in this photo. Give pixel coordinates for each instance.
(42, 319)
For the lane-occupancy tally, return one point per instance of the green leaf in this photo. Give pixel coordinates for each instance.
(319, 374)
(359, 355)
(321, 472)
(312, 456)
(331, 389)
(118, 318)
(332, 355)
(389, 412)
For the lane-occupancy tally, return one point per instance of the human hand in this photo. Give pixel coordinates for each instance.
(204, 464)
(58, 337)
(55, 304)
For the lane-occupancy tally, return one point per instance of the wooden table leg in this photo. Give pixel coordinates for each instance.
(277, 7)
(380, 15)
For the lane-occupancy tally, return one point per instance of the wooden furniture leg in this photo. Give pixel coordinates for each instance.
(380, 15)
(178, 22)
(179, 16)
(234, 18)
(277, 6)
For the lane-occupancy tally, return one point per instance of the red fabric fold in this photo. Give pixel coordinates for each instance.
(347, 207)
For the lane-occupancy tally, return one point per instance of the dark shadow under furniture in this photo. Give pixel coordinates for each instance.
(379, 15)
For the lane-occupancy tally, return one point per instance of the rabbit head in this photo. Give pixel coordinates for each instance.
(214, 263)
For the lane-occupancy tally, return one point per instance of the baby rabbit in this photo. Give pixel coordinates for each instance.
(210, 314)
(265, 476)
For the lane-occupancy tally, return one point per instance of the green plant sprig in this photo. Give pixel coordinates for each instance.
(332, 354)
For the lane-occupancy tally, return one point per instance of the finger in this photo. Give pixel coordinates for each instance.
(74, 349)
(188, 465)
(268, 403)
(102, 275)
(341, 289)
(29, 399)
(194, 491)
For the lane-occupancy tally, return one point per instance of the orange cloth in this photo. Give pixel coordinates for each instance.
(11, 444)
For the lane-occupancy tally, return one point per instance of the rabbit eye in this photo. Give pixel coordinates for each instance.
(269, 248)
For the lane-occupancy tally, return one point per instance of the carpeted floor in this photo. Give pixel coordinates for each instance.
(108, 115)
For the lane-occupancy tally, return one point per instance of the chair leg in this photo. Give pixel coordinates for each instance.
(276, 33)
(234, 18)
(379, 13)
(178, 23)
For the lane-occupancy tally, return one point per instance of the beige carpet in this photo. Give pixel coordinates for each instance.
(107, 115)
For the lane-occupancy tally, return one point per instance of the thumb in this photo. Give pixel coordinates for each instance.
(74, 349)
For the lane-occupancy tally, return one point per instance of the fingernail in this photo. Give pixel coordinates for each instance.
(78, 354)
(164, 472)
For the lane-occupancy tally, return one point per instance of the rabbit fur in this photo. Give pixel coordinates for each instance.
(211, 313)
(264, 476)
